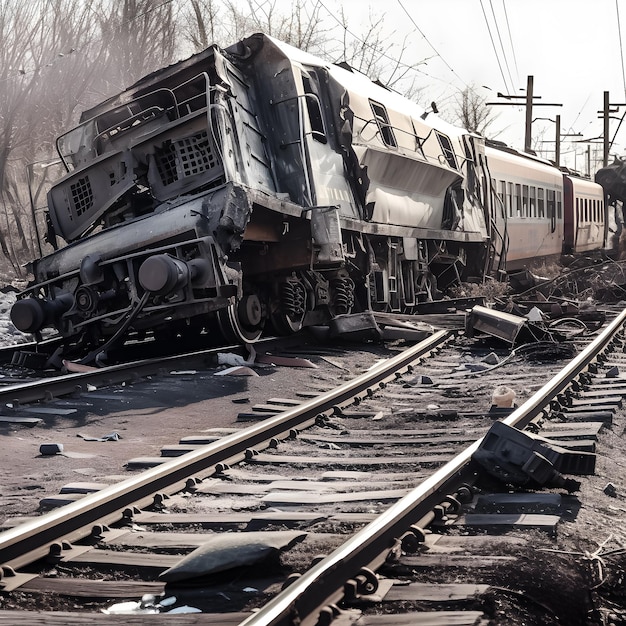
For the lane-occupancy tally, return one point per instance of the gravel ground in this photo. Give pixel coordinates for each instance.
(170, 410)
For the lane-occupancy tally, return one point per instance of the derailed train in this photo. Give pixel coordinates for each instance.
(258, 187)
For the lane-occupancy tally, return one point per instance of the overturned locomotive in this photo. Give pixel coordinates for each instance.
(256, 187)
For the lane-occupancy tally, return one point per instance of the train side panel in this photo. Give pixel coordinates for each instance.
(531, 193)
(584, 214)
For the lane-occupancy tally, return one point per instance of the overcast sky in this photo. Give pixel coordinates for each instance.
(571, 47)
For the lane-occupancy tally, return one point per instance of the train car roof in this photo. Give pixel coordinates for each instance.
(351, 79)
(358, 82)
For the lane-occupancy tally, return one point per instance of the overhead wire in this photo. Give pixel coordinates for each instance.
(419, 30)
(493, 44)
(506, 62)
(414, 67)
(621, 48)
(508, 27)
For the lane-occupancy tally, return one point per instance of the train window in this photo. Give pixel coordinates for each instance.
(501, 191)
(384, 125)
(517, 199)
(533, 202)
(550, 203)
(525, 204)
(586, 210)
(540, 202)
(559, 205)
(509, 199)
(318, 132)
(448, 152)
(578, 210)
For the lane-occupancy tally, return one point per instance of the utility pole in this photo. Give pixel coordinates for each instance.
(606, 116)
(529, 98)
(557, 147)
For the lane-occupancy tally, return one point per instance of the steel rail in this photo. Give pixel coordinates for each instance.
(32, 540)
(304, 599)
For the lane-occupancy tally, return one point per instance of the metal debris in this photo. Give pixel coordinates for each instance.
(230, 550)
(520, 458)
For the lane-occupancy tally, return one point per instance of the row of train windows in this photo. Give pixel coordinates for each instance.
(386, 131)
(589, 210)
(529, 201)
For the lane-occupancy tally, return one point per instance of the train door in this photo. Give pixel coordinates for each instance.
(569, 216)
(326, 178)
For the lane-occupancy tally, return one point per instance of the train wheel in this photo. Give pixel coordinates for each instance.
(242, 322)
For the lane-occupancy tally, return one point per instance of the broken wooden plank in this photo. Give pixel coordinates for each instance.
(24, 421)
(279, 459)
(431, 592)
(81, 587)
(496, 521)
(289, 498)
(418, 618)
(516, 503)
(62, 618)
(155, 563)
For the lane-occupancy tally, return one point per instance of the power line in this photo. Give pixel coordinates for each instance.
(506, 62)
(621, 49)
(495, 50)
(374, 48)
(419, 30)
(508, 27)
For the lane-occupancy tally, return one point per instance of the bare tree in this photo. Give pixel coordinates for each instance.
(200, 25)
(58, 57)
(138, 36)
(473, 113)
(375, 53)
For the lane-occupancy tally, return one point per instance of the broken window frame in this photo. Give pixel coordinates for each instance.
(447, 150)
(314, 109)
(89, 128)
(384, 125)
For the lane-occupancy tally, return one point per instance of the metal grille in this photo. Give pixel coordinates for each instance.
(82, 196)
(184, 157)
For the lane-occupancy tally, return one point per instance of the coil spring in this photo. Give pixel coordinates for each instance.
(343, 295)
(292, 299)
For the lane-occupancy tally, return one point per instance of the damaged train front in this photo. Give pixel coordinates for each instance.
(138, 214)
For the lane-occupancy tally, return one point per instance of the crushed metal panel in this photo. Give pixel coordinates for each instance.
(521, 458)
(496, 323)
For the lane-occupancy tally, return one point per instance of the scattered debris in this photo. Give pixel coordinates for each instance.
(610, 490)
(355, 327)
(148, 605)
(230, 550)
(503, 397)
(114, 436)
(237, 371)
(232, 359)
(287, 361)
(522, 459)
(506, 326)
(77, 368)
(50, 449)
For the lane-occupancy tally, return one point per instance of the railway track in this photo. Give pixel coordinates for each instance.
(370, 473)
